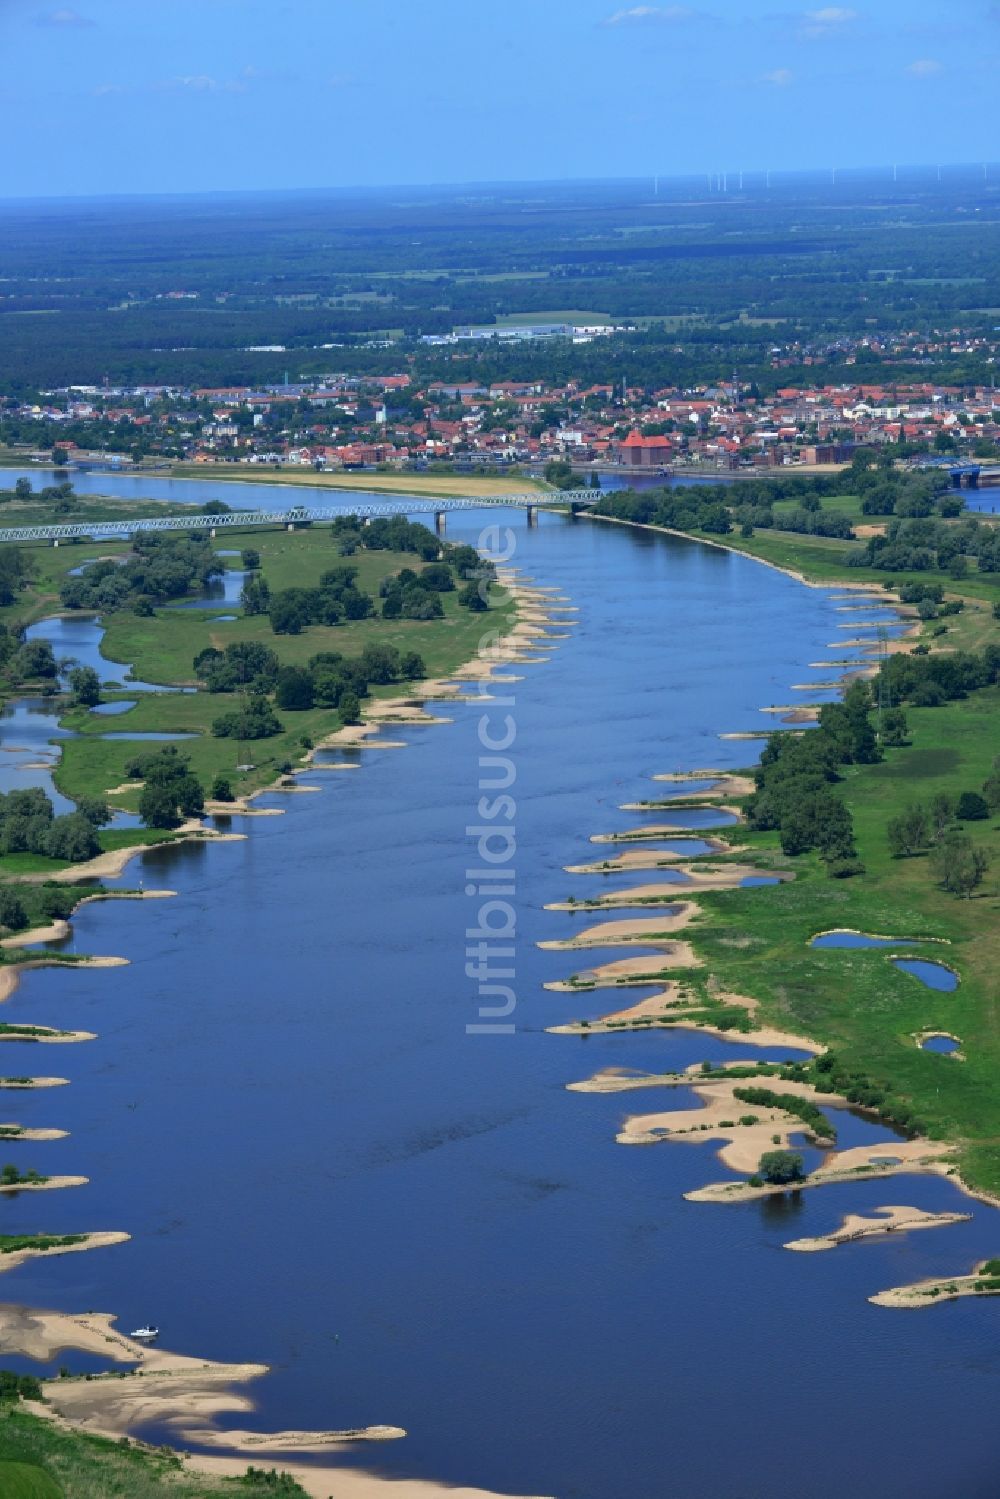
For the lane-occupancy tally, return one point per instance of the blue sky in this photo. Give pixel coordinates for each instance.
(121, 96)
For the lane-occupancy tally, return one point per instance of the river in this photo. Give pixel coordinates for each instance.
(322, 1170)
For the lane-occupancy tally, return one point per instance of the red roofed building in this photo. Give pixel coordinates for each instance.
(644, 452)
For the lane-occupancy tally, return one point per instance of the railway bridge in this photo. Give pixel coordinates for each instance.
(294, 516)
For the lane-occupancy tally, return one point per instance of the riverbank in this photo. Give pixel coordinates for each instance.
(756, 942)
(185, 1393)
(188, 1395)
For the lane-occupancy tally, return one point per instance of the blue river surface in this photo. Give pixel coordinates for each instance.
(323, 1170)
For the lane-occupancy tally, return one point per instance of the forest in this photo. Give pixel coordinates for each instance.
(211, 292)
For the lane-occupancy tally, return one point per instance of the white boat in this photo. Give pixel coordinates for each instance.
(145, 1334)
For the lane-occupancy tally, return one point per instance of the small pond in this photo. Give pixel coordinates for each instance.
(934, 975)
(148, 738)
(858, 939)
(944, 1045)
(111, 710)
(754, 881)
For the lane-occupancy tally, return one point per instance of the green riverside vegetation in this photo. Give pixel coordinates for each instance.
(906, 822)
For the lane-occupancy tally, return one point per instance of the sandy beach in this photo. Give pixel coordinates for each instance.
(188, 1395)
(10, 973)
(637, 929)
(857, 1164)
(623, 971)
(889, 1220)
(50, 1184)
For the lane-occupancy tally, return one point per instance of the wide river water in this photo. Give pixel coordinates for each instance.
(322, 1170)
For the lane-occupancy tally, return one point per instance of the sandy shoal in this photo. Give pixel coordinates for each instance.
(654, 830)
(34, 1082)
(56, 931)
(931, 1292)
(888, 1220)
(728, 878)
(51, 1184)
(637, 929)
(854, 1164)
(10, 973)
(653, 858)
(724, 782)
(639, 970)
(187, 1394)
(718, 1118)
(102, 1240)
(653, 1009)
(52, 1039)
(107, 866)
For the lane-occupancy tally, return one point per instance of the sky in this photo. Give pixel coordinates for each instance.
(176, 96)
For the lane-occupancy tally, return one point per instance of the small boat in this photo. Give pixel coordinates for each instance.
(145, 1334)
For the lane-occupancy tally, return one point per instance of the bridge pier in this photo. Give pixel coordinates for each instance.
(532, 515)
(440, 522)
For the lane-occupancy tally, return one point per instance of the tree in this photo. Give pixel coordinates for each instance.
(95, 810)
(73, 838)
(471, 597)
(251, 559)
(959, 865)
(158, 807)
(909, 833)
(894, 727)
(255, 597)
(60, 457)
(780, 1167)
(942, 812)
(971, 807)
(22, 489)
(295, 689)
(991, 788)
(12, 913)
(349, 708)
(85, 685)
(411, 666)
(222, 790)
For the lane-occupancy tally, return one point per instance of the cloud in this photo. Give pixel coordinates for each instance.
(924, 67)
(831, 15)
(638, 14)
(203, 83)
(817, 25)
(779, 78)
(64, 17)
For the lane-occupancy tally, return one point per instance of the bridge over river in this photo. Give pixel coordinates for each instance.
(296, 515)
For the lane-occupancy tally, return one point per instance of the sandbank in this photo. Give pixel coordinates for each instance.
(889, 1220)
(186, 1394)
(857, 1164)
(47, 1037)
(31, 1134)
(654, 858)
(108, 865)
(624, 971)
(635, 929)
(51, 1184)
(10, 973)
(648, 1013)
(730, 877)
(928, 1292)
(660, 829)
(19, 1256)
(724, 782)
(34, 1082)
(719, 1119)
